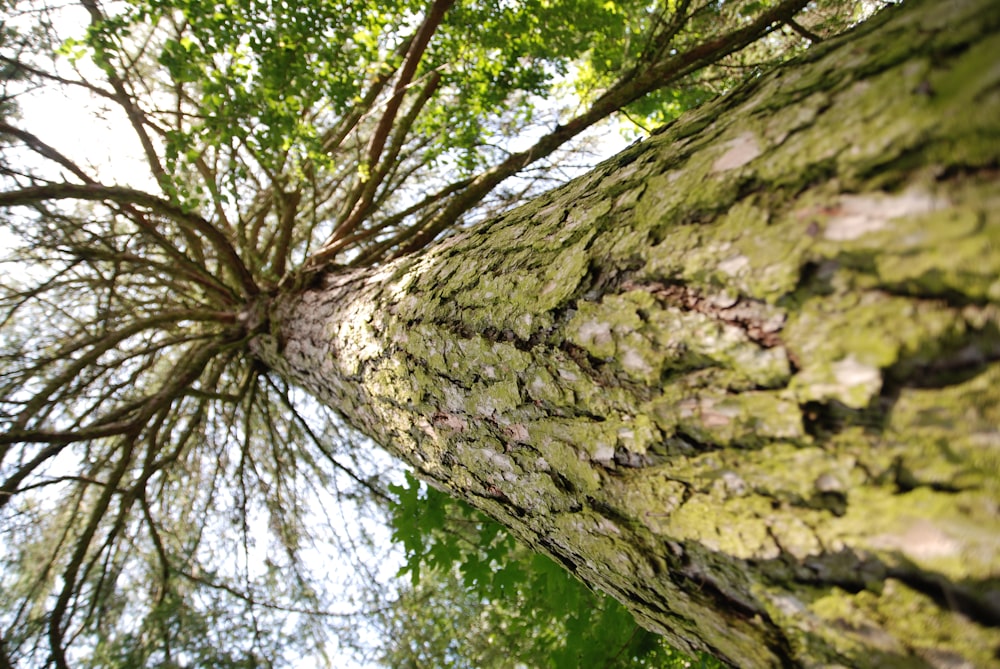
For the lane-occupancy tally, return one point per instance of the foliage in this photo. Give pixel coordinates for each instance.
(477, 598)
(163, 495)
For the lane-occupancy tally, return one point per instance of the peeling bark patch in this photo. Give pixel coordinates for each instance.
(734, 265)
(449, 421)
(739, 151)
(517, 433)
(859, 381)
(922, 540)
(597, 335)
(761, 322)
(856, 215)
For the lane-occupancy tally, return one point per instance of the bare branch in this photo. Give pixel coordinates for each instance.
(122, 195)
(802, 30)
(283, 394)
(627, 90)
(127, 102)
(366, 189)
(44, 150)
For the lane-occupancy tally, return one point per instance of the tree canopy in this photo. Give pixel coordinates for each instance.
(163, 497)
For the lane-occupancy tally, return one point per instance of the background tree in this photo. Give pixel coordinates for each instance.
(477, 598)
(280, 142)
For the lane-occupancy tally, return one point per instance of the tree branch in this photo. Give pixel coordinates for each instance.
(44, 150)
(367, 188)
(122, 195)
(626, 91)
(377, 143)
(135, 115)
(802, 30)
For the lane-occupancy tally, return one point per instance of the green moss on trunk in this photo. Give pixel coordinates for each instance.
(744, 377)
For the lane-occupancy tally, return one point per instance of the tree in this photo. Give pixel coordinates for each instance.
(152, 469)
(727, 377)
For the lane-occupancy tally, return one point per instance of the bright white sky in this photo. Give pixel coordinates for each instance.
(101, 142)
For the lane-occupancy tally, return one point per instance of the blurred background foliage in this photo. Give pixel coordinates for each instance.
(475, 597)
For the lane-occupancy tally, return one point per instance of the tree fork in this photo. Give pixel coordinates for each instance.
(745, 376)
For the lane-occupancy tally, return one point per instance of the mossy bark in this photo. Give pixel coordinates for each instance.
(745, 376)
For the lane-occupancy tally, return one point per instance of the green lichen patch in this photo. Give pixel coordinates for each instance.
(463, 359)
(867, 622)
(423, 342)
(597, 327)
(646, 341)
(543, 387)
(954, 535)
(692, 195)
(606, 556)
(968, 83)
(485, 358)
(565, 388)
(392, 377)
(742, 249)
(952, 432)
(795, 536)
(923, 240)
(854, 630)
(734, 527)
(559, 447)
(497, 290)
(846, 342)
(637, 434)
(499, 398)
(748, 419)
(937, 636)
(956, 252)
(650, 496)
(593, 440)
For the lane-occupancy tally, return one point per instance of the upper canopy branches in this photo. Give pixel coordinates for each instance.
(310, 133)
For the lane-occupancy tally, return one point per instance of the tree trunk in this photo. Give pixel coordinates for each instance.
(745, 376)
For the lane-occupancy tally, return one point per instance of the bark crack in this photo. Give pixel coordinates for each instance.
(967, 599)
(761, 323)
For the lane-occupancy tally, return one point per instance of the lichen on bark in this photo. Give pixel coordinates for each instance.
(744, 376)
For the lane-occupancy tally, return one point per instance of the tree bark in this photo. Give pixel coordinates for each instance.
(745, 376)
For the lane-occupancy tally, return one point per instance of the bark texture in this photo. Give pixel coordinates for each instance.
(745, 376)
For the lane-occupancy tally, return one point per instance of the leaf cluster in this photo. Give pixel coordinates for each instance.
(478, 598)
